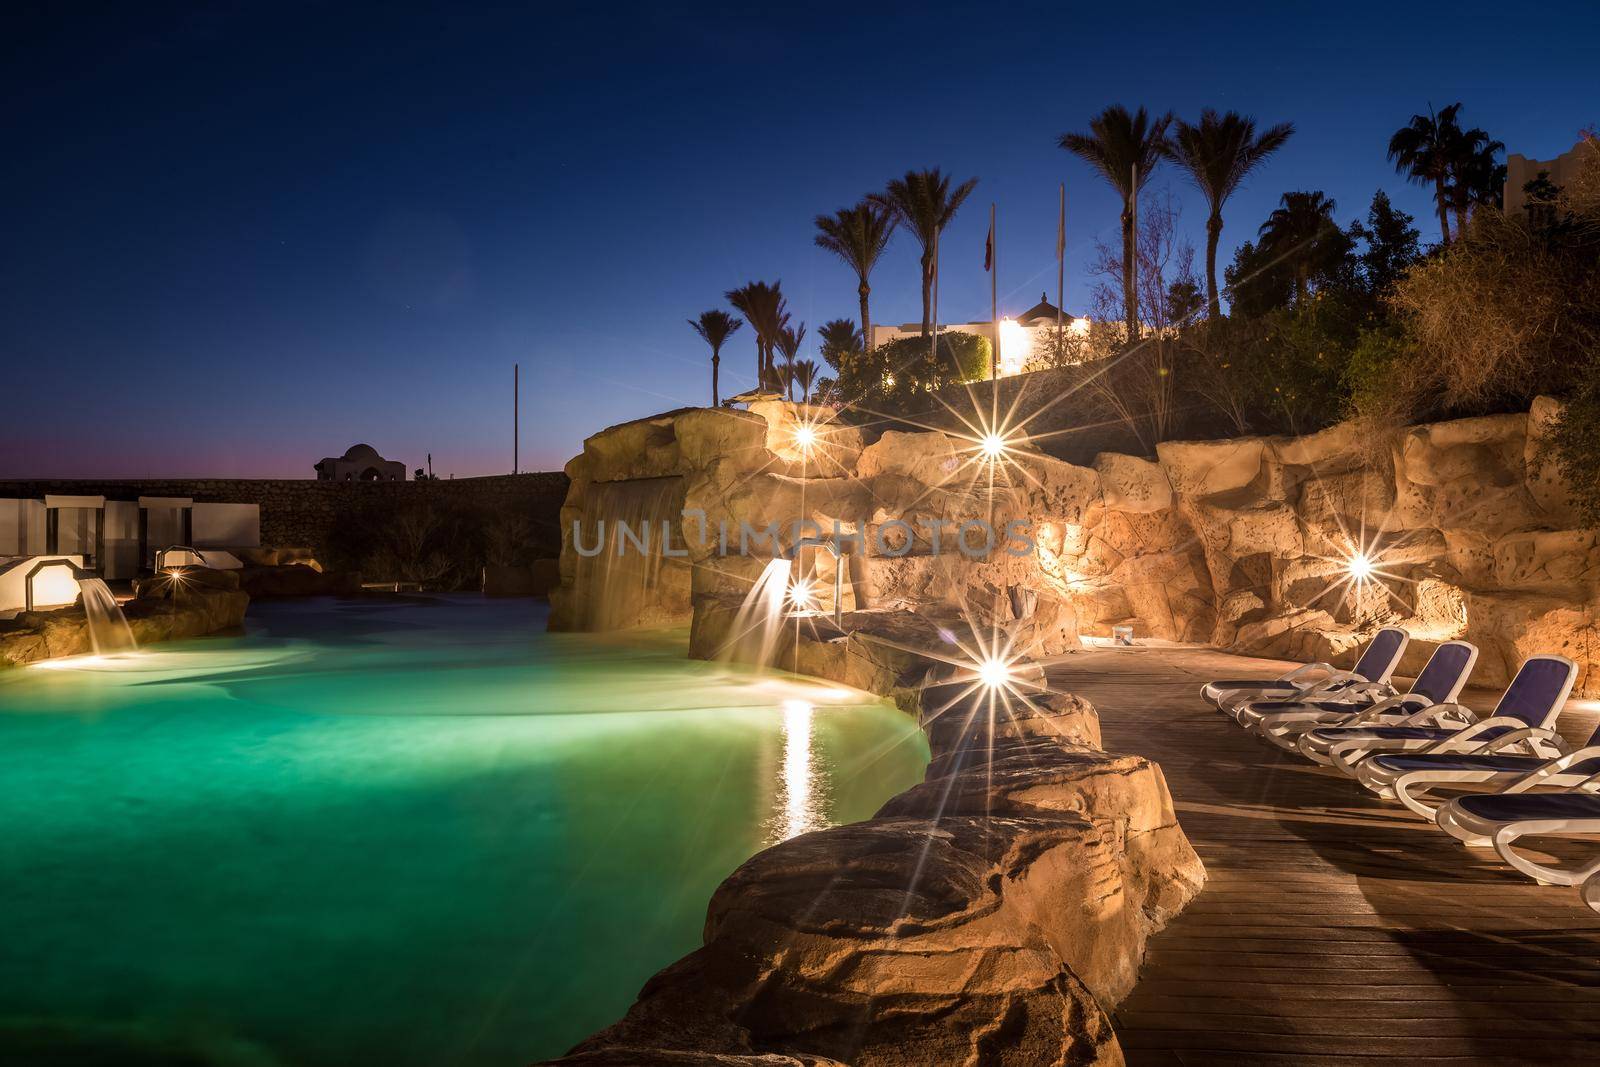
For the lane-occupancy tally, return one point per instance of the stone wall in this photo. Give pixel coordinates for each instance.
(304, 512)
(1243, 544)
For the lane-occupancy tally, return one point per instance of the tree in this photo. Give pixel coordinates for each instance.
(715, 327)
(1428, 150)
(1477, 177)
(765, 309)
(858, 235)
(1393, 244)
(1217, 154)
(924, 203)
(1302, 232)
(1125, 148)
(1258, 281)
(788, 342)
(805, 374)
(839, 340)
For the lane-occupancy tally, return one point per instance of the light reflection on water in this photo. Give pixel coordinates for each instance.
(291, 839)
(801, 804)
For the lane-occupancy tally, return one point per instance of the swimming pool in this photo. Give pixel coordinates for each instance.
(410, 831)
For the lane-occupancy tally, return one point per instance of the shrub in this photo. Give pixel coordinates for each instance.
(899, 375)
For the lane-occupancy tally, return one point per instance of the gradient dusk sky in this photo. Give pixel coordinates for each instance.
(238, 237)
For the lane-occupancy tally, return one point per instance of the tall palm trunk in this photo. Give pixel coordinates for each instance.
(716, 400)
(866, 323)
(1438, 195)
(1130, 270)
(1213, 236)
(927, 292)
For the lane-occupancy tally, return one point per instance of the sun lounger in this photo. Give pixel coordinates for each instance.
(1369, 678)
(1529, 707)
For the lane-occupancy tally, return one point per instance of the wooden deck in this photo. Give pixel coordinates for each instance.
(1334, 928)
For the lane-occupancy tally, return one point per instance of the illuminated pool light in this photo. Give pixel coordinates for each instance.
(994, 673)
(993, 445)
(805, 437)
(801, 594)
(1360, 566)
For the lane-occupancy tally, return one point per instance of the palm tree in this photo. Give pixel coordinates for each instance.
(924, 202)
(715, 327)
(858, 235)
(1218, 152)
(764, 307)
(839, 339)
(1120, 145)
(788, 341)
(1425, 151)
(1477, 177)
(805, 372)
(1297, 232)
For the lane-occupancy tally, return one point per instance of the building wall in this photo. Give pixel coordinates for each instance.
(303, 513)
(1563, 169)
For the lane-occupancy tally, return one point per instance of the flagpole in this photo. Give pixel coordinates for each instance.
(516, 399)
(1061, 266)
(994, 304)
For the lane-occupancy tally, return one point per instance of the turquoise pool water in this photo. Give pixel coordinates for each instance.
(396, 832)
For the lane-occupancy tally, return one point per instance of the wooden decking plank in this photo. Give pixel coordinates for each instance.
(1334, 929)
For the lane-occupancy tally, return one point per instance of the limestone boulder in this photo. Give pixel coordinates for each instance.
(705, 435)
(1132, 484)
(644, 448)
(1510, 626)
(1332, 450)
(1550, 491)
(1268, 528)
(1547, 558)
(1274, 635)
(930, 459)
(1050, 489)
(1209, 468)
(892, 943)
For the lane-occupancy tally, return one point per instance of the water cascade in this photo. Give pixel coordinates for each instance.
(109, 632)
(755, 628)
(625, 577)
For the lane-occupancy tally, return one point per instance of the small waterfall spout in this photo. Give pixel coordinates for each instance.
(108, 627)
(755, 628)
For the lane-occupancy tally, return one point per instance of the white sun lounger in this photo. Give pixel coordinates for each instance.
(1529, 707)
(1439, 682)
(1368, 680)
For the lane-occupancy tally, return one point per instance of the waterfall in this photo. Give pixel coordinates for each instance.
(630, 581)
(109, 632)
(754, 637)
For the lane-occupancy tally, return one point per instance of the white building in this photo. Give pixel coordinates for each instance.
(1015, 343)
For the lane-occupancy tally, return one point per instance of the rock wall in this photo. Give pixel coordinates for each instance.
(208, 602)
(305, 512)
(1242, 544)
(992, 914)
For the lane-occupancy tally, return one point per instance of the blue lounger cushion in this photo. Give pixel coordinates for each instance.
(1514, 807)
(1403, 764)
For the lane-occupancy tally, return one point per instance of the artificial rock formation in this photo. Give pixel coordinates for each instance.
(1241, 544)
(992, 914)
(207, 602)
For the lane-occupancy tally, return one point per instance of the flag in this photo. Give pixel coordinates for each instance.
(988, 246)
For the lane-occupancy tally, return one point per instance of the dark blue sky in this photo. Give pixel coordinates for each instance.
(240, 237)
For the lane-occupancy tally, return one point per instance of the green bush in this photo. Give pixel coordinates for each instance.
(899, 376)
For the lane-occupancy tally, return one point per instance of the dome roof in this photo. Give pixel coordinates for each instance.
(361, 452)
